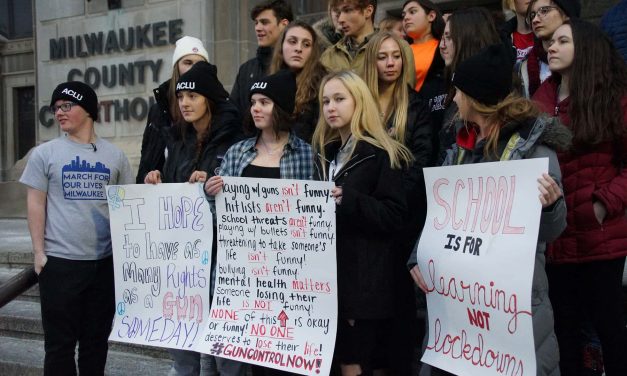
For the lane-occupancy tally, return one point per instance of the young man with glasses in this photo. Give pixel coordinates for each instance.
(544, 17)
(68, 219)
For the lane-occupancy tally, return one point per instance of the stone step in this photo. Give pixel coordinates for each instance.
(21, 319)
(25, 357)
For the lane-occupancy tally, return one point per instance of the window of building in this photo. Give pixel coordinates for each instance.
(16, 19)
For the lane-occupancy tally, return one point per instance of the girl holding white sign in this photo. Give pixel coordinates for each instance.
(497, 125)
(588, 91)
(195, 149)
(356, 153)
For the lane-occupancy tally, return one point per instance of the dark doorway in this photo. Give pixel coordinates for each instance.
(24, 120)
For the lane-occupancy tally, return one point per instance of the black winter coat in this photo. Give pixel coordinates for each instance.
(248, 74)
(225, 130)
(155, 134)
(372, 208)
(434, 92)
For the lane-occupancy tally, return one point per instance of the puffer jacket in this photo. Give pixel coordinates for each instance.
(587, 178)
(155, 134)
(538, 138)
(614, 24)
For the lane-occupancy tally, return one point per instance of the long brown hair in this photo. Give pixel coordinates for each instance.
(597, 87)
(309, 77)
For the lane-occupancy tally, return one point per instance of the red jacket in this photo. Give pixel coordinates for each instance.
(587, 178)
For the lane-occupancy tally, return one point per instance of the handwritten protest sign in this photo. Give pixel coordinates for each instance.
(161, 238)
(476, 254)
(275, 301)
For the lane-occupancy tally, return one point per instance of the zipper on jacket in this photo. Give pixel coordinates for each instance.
(346, 169)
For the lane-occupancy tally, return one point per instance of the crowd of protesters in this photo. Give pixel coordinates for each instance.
(367, 106)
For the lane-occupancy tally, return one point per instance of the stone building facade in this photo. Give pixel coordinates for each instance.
(124, 49)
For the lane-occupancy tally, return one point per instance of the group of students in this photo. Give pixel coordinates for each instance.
(368, 114)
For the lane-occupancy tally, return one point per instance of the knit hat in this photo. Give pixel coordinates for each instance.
(79, 93)
(572, 8)
(486, 76)
(202, 78)
(189, 46)
(280, 87)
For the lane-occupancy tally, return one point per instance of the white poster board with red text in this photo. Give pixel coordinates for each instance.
(476, 254)
(275, 300)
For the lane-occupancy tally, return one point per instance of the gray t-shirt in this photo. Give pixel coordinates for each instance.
(74, 177)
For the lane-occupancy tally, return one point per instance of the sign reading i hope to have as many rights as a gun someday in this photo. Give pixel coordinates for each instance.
(161, 236)
(476, 254)
(275, 301)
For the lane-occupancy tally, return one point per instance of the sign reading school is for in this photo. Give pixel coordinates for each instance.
(275, 301)
(476, 254)
(161, 237)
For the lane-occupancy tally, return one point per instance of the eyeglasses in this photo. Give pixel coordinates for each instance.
(65, 107)
(542, 12)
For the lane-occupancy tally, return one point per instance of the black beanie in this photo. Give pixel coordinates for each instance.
(572, 8)
(280, 87)
(79, 93)
(202, 78)
(486, 76)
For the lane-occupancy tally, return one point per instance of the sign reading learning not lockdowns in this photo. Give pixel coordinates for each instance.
(476, 254)
(275, 301)
(161, 238)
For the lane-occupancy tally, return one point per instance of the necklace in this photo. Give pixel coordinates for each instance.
(272, 151)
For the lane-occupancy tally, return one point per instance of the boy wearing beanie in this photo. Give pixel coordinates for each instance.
(68, 219)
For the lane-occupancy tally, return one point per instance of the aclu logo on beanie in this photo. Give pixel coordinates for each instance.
(185, 86)
(202, 78)
(280, 87)
(79, 93)
(259, 85)
(72, 94)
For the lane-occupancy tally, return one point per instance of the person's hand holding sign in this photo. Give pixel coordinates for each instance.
(549, 190)
(213, 186)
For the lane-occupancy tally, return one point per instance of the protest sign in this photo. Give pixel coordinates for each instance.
(275, 301)
(161, 237)
(476, 254)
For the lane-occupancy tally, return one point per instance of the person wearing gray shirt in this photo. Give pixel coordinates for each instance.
(68, 219)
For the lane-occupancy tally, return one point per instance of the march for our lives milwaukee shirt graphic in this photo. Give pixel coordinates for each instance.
(82, 181)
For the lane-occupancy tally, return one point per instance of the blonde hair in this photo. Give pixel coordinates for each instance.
(365, 124)
(400, 96)
(513, 108)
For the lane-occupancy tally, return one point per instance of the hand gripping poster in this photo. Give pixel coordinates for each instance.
(162, 236)
(275, 300)
(476, 255)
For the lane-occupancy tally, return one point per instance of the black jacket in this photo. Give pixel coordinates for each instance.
(372, 208)
(248, 74)
(434, 92)
(155, 134)
(305, 122)
(225, 130)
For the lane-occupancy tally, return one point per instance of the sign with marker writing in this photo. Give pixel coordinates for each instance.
(477, 254)
(275, 301)
(162, 236)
